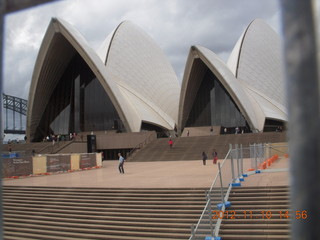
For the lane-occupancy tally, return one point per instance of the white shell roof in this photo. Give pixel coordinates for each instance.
(136, 63)
(249, 109)
(256, 62)
(253, 76)
(134, 72)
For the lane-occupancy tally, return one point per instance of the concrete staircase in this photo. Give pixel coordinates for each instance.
(259, 213)
(97, 213)
(190, 148)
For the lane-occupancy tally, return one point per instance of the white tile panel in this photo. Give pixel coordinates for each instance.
(130, 66)
(135, 60)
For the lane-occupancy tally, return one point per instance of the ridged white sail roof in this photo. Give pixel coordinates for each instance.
(259, 68)
(142, 71)
(130, 66)
(253, 76)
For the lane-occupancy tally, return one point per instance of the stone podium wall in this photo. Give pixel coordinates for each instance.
(46, 164)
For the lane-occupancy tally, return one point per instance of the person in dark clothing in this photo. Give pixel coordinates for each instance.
(204, 157)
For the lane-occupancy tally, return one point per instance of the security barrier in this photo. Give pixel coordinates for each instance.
(47, 164)
(230, 174)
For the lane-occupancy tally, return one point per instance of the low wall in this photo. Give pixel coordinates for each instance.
(47, 164)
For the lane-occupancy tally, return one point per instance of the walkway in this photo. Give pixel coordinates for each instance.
(170, 174)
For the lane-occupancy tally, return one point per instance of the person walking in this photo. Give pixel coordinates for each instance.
(170, 143)
(204, 157)
(211, 131)
(215, 156)
(121, 162)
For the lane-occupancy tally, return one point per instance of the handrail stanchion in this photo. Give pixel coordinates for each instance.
(255, 157)
(220, 176)
(232, 167)
(238, 164)
(269, 151)
(192, 232)
(241, 161)
(210, 214)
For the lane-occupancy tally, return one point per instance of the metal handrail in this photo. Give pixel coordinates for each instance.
(215, 179)
(202, 214)
(139, 146)
(210, 190)
(258, 154)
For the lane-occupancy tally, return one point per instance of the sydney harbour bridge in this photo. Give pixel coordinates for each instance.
(14, 114)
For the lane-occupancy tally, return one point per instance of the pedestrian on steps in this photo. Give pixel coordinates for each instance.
(215, 156)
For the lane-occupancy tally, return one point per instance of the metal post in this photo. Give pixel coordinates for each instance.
(2, 12)
(238, 164)
(222, 198)
(210, 216)
(302, 84)
(241, 157)
(193, 234)
(255, 157)
(232, 168)
(7, 119)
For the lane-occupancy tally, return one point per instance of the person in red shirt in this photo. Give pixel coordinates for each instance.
(215, 156)
(170, 143)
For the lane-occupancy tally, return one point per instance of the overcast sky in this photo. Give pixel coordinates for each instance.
(175, 25)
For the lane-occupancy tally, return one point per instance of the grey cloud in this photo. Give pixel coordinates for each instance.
(174, 24)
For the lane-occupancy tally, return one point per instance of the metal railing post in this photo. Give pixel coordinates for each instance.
(210, 216)
(193, 234)
(232, 168)
(255, 157)
(270, 154)
(222, 198)
(241, 157)
(238, 164)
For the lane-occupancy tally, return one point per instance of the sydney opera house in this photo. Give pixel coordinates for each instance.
(129, 85)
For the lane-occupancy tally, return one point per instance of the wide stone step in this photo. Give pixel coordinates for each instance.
(92, 233)
(261, 226)
(75, 213)
(102, 210)
(114, 219)
(256, 213)
(105, 190)
(121, 196)
(264, 236)
(161, 201)
(190, 148)
(98, 227)
(104, 205)
(253, 231)
(38, 235)
(262, 206)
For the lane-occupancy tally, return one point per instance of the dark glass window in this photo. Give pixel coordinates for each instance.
(213, 106)
(271, 125)
(78, 103)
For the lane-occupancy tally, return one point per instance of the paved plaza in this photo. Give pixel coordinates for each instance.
(169, 174)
